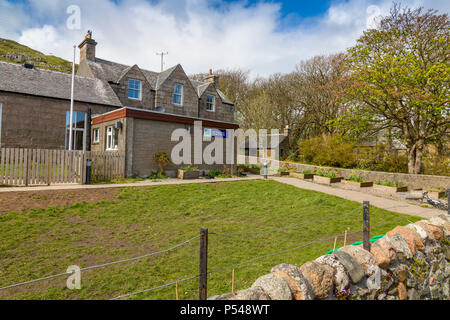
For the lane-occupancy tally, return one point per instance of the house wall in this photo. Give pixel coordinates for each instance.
(37, 122)
(223, 112)
(190, 98)
(141, 139)
(148, 95)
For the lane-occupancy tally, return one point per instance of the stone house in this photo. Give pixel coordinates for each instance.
(133, 110)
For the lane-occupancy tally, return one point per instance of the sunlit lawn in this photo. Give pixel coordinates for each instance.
(143, 220)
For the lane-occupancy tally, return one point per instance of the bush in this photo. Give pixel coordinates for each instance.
(328, 151)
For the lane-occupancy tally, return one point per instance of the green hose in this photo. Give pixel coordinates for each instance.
(374, 239)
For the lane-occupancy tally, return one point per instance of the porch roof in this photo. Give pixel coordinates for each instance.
(129, 112)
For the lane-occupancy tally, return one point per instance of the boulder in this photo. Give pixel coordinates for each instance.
(401, 247)
(440, 222)
(256, 293)
(364, 257)
(353, 268)
(402, 293)
(320, 277)
(383, 252)
(413, 295)
(341, 280)
(275, 287)
(300, 287)
(411, 236)
(434, 232)
(420, 231)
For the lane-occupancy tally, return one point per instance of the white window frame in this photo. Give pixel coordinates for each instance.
(140, 90)
(178, 94)
(110, 133)
(96, 135)
(213, 103)
(76, 130)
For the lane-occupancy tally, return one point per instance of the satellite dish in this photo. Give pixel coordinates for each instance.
(160, 109)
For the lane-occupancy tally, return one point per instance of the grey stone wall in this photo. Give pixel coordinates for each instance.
(412, 181)
(409, 263)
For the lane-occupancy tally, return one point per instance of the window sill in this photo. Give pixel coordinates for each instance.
(135, 99)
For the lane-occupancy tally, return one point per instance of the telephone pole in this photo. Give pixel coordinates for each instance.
(162, 54)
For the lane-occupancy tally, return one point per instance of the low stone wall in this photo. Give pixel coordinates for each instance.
(409, 263)
(413, 181)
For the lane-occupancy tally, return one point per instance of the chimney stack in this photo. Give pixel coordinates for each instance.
(87, 47)
(212, 79)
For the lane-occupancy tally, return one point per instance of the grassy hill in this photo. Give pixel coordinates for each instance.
(11, 51)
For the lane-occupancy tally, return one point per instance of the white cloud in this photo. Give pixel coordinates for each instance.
(199, 34)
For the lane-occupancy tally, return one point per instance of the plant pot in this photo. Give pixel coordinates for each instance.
(281, 174)
(302, 176)
(387, 189)
(187, 175)
(357, 184)
(253, 171)
(326, 180)
(436, 194)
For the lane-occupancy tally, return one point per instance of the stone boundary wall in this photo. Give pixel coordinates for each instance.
(413, 181)
(409, 263)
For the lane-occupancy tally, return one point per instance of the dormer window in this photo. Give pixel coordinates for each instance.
(134, 89)
(210, 103)
(178, 94)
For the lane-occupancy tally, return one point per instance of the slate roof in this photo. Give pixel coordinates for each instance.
(113, 72)
(46, 83)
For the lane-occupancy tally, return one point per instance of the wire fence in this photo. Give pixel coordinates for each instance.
(205, 272)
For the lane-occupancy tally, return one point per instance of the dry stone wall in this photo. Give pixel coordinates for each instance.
(409, 263)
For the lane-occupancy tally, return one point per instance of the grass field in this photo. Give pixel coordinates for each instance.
(43, 242)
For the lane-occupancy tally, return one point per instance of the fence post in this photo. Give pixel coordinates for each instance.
(366, 225)
(203, 263)
(448, 201)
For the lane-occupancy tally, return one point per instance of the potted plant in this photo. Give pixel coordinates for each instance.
(388, 186)
(326, 177)
(305, 174)
(188, 172)
(281, 172)
(357, 179)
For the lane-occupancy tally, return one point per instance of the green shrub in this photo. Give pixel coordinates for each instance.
(324, 173)
(189, 168)
(389, 183)
(328, 151)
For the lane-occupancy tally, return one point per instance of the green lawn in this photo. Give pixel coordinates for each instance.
(143, 220)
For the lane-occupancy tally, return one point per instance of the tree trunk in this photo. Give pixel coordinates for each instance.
(418, 166)
(411, 158)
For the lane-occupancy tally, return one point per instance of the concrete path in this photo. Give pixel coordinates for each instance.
(379, 202)
(145, 183)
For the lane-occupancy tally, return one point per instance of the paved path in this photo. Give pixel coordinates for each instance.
(145, 183)
(379, 202)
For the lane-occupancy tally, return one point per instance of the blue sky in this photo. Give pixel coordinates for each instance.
(264, 37)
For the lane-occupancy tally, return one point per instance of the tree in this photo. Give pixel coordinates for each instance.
(400, 79)
(321, 82)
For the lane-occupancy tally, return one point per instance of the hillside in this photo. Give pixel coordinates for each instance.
(11, 51)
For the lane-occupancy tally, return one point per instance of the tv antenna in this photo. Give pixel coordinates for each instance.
(162, 54)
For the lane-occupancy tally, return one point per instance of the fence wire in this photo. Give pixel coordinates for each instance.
(288, 227)
(243, 263)
(100, 265)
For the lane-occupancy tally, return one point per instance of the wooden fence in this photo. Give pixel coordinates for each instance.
(28, 167)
